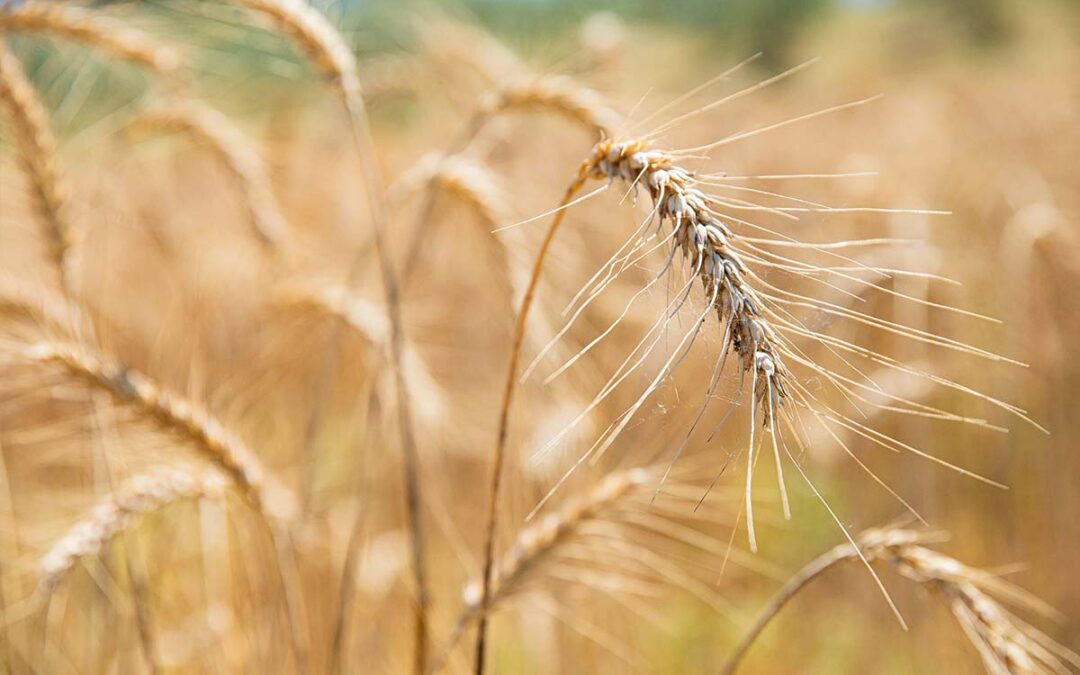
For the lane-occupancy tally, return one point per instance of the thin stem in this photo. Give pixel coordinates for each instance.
(494, 489)
(361, 132)
(144, 618)
(816, 568)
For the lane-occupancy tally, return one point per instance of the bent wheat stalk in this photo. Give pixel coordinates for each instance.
(28, 122)
(494, 490)
(213, 130)
(1006, 644)
(326, 48)
(84, 26)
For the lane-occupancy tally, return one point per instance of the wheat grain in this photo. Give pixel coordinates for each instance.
(81, 25)
(532, 545)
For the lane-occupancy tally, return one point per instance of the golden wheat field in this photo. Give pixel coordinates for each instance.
(531, 337)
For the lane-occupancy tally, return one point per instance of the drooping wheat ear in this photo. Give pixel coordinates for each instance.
(220, 446)
(330, 53)
(536, 541)
(558, 94)
(140, 495)
(465, 180)
(1006, 644)
(704, 239)
(214, 131)
(534, 544)
(370, 322)
(84, 26)
(28, 123)
(320, 42)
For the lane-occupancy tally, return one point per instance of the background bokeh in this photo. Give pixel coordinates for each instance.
(980, 117)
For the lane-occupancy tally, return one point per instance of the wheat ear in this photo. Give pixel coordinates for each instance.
(557, 94)
(220, 446)
(140, 495)
(370, 322)
(328, 51)
(1006, 645)
(80, 25)
(213, 130)
(28, 122)
(533, 544)
(462, 178)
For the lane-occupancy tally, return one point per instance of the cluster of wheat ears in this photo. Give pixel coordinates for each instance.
(715, 259)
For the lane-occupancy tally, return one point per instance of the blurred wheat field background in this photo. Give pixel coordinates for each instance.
(265, 264)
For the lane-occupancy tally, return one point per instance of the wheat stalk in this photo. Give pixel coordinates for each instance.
(80, 25)
(28, 122)
(213, 130)
(1006, 645)
(326, 48)
(139, 496)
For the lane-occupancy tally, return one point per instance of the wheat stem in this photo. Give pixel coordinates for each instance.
(328, 51)
(495, 485)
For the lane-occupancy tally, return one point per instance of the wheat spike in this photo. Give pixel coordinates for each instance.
(558, 94)
(370, 322)
(214, 131)
(140, 495)
(220, 446)
(28, 123)
(1006, 644)
(321, 43)
(80, 25)
(463, 177)
(532, 545)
